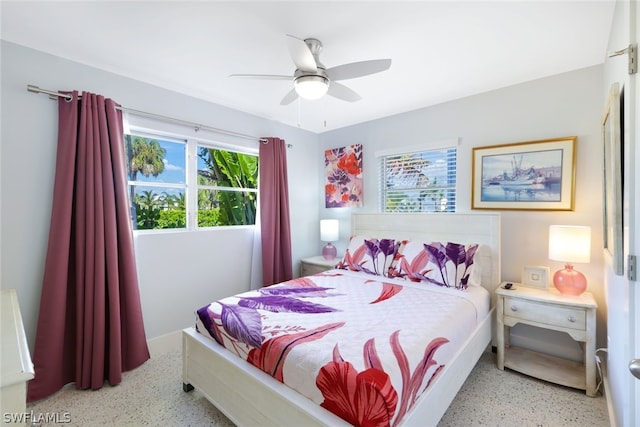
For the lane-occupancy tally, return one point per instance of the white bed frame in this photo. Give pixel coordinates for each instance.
(249, 397)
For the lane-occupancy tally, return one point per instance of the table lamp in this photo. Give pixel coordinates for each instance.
(329, 232)
(570, 244)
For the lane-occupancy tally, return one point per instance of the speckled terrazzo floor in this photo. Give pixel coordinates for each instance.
(152, 395)
(491, 397)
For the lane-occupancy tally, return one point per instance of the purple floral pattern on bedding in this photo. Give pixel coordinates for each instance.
(242, 320)
(371, 256)
(447, 265)
(377, 390)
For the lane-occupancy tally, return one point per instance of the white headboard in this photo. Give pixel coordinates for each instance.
(482, 228)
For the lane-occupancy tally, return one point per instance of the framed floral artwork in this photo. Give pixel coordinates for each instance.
(343, 171)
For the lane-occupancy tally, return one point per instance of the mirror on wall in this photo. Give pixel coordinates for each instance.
(612, 125)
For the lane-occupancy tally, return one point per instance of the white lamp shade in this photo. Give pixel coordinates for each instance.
(311, 87)
(570, 243)
(329, 230)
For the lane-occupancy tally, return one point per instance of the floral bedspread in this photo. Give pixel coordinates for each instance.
(364, 347)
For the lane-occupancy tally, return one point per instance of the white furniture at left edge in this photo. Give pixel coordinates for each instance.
(16, 366)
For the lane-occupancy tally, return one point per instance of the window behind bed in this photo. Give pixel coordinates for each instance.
(419, 179)
(188, 184)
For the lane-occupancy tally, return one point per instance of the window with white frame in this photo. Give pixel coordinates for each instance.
(188, 184)
(419, 180)
(227, 187)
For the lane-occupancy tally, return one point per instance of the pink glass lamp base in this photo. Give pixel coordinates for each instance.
(329, 251)
(569, 281)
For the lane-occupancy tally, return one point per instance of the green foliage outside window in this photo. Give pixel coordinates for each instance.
(224, 184)
(226, 190)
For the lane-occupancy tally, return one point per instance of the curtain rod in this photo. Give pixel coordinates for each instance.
(53, 94)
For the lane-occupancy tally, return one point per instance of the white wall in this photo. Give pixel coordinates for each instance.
(179, 272)
(619, 291)
(562, 105)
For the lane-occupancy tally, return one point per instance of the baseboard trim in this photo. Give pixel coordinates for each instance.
(607, 387)
(164, 343)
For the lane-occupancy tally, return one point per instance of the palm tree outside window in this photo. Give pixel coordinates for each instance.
(159, 170)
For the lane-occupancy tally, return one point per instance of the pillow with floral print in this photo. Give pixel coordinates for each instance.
(372, 256)
(449, 264)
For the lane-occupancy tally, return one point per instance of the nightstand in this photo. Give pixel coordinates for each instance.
(316, 264)
(548, 309)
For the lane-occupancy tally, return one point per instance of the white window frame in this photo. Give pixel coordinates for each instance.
(192, 138)
(194, 212)
(381, 155)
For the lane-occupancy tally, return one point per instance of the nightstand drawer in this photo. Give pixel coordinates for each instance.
(311, 269)
(548, 314)
(317, 264)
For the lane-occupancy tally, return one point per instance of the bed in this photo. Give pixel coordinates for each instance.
(249, 397)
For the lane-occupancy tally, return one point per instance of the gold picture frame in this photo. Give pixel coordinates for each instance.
(533, 175)
(612, 179)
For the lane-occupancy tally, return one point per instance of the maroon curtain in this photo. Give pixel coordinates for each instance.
(274, 213)
(90, 325)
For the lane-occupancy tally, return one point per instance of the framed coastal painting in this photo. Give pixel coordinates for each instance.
(343, 172)
(612, 179)
(533, 175)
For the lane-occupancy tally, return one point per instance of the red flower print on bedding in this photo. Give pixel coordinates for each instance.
(411, 383)
(388, 291)
(364, 398)
(271, 356)
(368, 398)
(414, 270)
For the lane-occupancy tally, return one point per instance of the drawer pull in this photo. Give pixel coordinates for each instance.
(514, 308)
(571, 319)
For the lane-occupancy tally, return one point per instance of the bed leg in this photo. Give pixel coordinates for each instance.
(186, 387)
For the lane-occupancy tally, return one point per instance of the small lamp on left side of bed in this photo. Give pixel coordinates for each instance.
(329, 232)
(570, 244)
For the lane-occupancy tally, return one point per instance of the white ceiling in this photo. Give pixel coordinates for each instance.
(440, 50)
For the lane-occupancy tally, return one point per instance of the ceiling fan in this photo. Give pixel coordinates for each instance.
(312, 80)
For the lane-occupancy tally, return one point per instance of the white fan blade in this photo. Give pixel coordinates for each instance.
(289, 97)
(261, 76)
(358, 69)
(342, 92)
(301, 55)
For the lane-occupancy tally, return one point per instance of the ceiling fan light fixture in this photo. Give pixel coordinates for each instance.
(311, 87)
